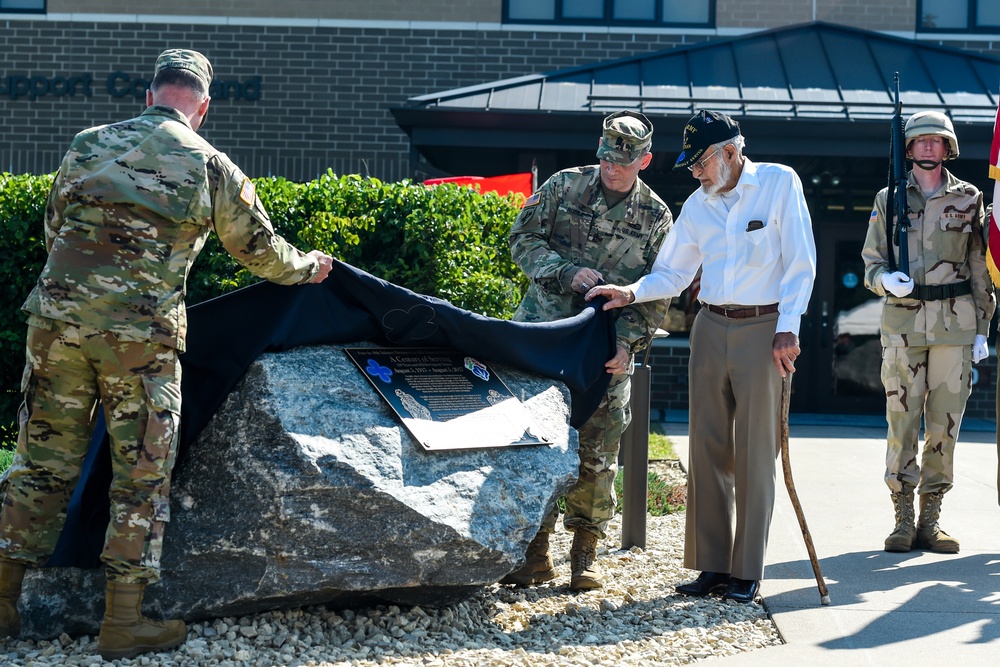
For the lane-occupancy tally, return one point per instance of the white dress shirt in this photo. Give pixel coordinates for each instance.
(773, 264)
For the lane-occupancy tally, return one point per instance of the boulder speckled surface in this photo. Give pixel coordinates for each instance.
(305, 488)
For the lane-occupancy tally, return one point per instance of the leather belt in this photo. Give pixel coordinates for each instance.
(741, 312)
(939, 292)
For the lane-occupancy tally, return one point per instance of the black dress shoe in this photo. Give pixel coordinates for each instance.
(741, 590)
(706, 584)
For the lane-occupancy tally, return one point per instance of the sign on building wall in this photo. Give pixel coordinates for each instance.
(115, 84)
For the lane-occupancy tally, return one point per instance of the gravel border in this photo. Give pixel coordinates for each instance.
(635, 620)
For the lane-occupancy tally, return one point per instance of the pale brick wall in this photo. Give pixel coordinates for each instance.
(372, 10)
(762, 13)
(890, 15)
(325, 93)
(899, 15)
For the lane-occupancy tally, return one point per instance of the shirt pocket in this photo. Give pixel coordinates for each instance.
(953, 231)
(761, 246)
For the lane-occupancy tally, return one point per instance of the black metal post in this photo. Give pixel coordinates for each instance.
(635, 461)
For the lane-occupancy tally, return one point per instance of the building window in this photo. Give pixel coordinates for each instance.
(954, 15)
(697, 13)
(22, 5)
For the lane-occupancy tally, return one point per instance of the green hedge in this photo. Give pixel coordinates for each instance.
(447, 241)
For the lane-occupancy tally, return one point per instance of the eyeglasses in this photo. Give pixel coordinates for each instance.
(701, 163)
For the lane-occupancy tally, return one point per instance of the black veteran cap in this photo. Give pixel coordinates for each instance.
(627, 135)
(703, 130)
(187, 59)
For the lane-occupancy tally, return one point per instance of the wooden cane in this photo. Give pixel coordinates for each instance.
(786, 391)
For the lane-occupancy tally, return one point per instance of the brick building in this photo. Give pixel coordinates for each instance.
(303, 85)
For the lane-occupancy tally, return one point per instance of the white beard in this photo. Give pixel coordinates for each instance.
(721, 179)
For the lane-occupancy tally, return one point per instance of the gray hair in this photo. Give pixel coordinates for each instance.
(739, 142)
(180, 78)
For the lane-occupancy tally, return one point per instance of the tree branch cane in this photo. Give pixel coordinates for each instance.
(786, 390)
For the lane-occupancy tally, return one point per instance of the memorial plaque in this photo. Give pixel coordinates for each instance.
(446, 399)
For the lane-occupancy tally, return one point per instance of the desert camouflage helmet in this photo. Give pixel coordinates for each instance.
(932, 122)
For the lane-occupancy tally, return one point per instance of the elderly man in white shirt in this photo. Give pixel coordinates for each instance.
(748, 227)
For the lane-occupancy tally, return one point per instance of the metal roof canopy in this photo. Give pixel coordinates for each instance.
(811, 89)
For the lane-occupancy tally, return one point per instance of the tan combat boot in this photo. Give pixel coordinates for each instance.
(538, 567)
(11, 576)
(125, 632)
(583, 561)
(902, 536)
(929, 533)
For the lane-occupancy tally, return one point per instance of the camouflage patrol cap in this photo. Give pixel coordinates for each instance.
(627, 137)
(192, 61)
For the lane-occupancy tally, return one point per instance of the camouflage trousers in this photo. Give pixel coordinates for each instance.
(591, 503)
(69, 373)
(935, 382)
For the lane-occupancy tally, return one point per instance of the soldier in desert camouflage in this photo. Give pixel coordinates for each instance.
(934, 326)
(583, 226)
(129, 211)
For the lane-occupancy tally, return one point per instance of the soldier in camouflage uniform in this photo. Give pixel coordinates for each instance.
(129, 211)
(934, 325)
(583, 226)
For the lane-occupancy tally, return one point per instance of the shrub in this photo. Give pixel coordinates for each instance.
(22, 254)
(446, 241)
(662, 497)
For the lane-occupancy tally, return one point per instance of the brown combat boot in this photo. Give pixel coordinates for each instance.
(583, 561)
(538, 567)
(929, 533)
(125, 632)
(901, 538)
(11, 577)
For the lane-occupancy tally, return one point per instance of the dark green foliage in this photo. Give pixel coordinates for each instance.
(447, 241)
(661, 497)
(22, 254)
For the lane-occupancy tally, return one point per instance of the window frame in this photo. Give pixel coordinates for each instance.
(24, 10)
(972, 10)
(656, 22)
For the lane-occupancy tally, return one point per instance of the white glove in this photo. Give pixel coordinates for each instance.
(980, 350)
(898, 283)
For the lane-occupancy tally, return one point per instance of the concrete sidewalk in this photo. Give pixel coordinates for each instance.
(910, 609)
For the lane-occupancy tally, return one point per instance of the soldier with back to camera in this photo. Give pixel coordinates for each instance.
(129, 211)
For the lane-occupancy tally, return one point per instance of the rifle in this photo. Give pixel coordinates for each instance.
(895, 201)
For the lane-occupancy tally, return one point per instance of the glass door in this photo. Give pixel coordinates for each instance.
(841, 341)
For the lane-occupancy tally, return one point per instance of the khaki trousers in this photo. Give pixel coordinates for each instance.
(933, 381)
(734, 394)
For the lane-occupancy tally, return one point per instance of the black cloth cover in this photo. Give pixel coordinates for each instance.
(228, 333)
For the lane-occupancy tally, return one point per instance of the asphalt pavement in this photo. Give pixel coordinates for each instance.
(911, 609)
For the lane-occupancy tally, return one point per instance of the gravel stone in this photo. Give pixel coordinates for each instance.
(635, 620)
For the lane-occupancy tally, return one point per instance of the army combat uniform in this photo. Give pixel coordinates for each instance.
(564, 226)
(129, 211)
(927, 337)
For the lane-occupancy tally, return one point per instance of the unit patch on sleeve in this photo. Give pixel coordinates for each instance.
(247, 193)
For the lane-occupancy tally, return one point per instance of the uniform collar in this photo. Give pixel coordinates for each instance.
(595, 193)
(169, 112)
(951, 184)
